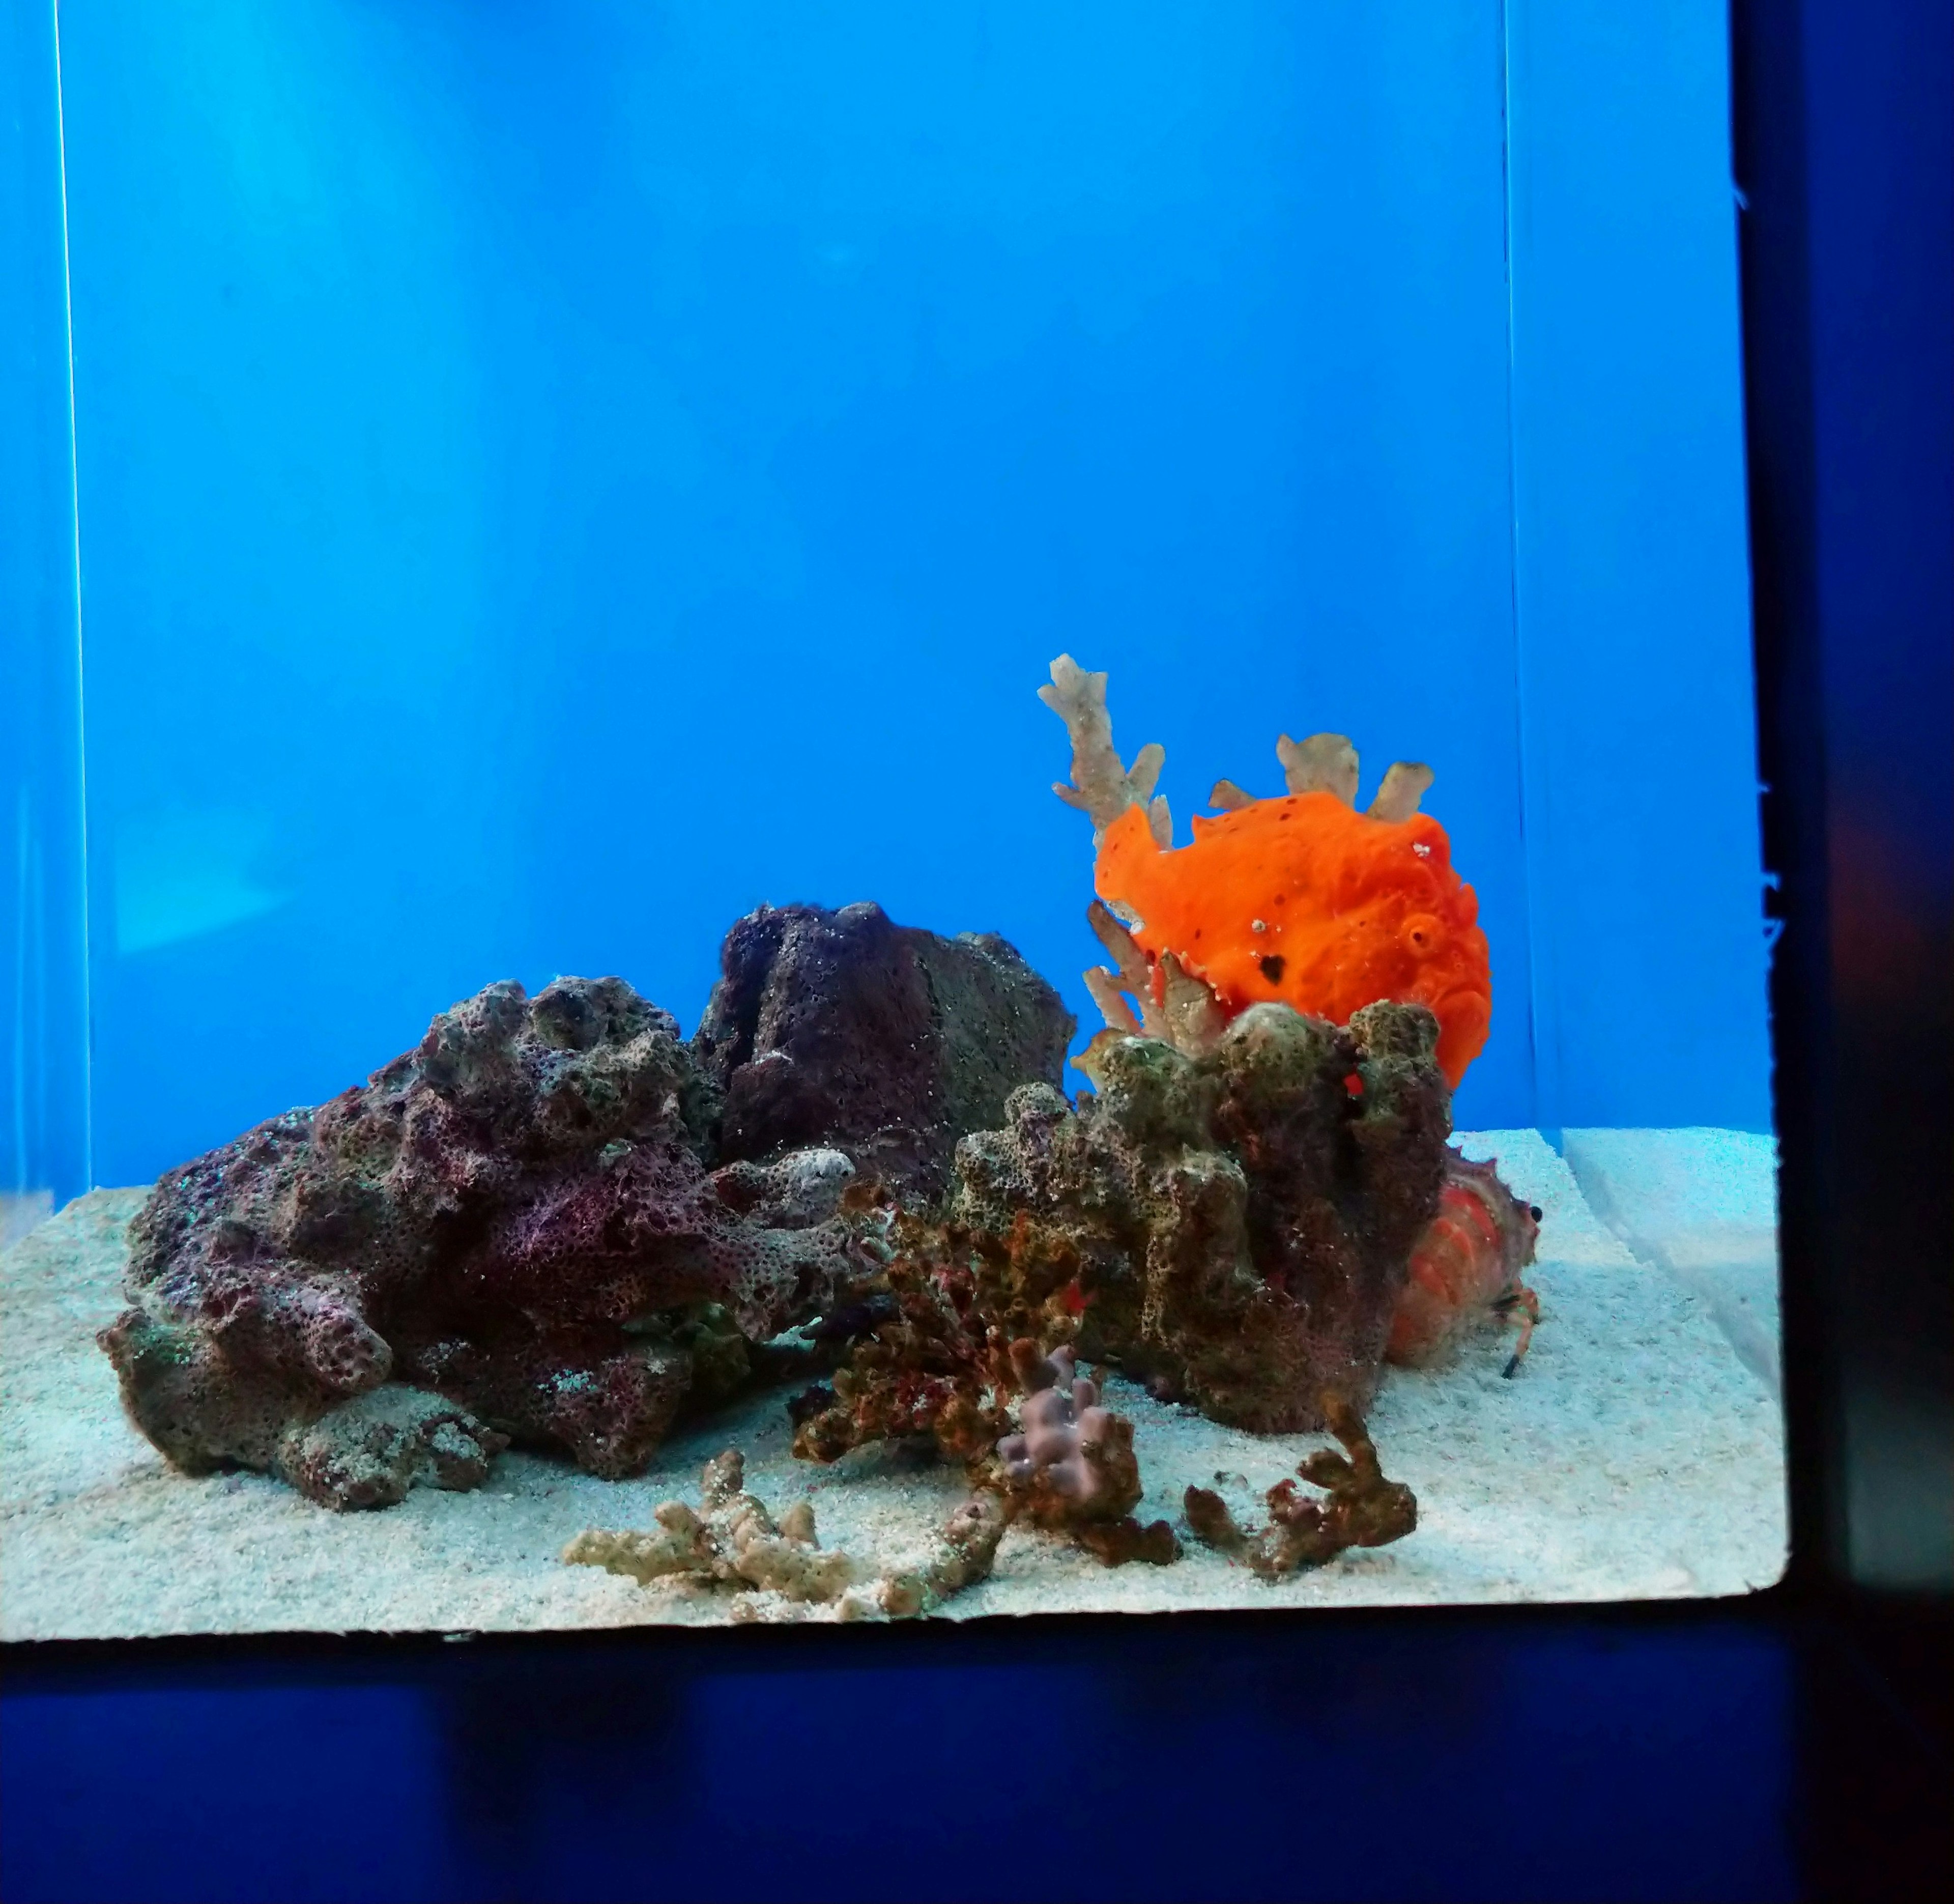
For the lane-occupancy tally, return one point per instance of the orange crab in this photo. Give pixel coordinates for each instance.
(1466, 1268)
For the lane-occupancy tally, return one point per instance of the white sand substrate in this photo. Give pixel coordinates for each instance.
(1635, 1455)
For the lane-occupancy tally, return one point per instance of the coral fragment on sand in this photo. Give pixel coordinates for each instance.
(1297, 898)
(1362, 1508)
(733, 1542)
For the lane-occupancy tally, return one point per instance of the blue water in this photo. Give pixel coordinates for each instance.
(549, 480)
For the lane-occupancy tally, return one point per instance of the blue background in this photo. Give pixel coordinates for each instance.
(549, 481)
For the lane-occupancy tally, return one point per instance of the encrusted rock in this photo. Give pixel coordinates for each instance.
(368, 1452)
(1233, 1228)
(516, 1215)
(1230, 1227)
(885, 1041)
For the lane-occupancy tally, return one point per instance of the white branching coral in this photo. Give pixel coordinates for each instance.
(1325, 763)
(1182, 1011)
(735, 1543)
(1403, 788)
(1102, 788)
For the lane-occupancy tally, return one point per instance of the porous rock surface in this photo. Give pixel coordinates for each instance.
(886, 1042)
(510, 1232)
(1232, 1228)
(1237, 1225)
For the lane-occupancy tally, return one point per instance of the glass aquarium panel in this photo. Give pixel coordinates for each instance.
(577, 515)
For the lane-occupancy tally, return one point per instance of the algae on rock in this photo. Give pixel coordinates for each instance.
(1233, 1229)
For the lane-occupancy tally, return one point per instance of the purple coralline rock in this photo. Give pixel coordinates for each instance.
(510, 1232)
(887, 1042)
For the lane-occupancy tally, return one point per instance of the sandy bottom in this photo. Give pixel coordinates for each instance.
(1636, 1454)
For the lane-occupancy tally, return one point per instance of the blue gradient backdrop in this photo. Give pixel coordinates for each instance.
(551, 479)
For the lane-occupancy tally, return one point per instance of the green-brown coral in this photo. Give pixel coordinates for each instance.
(1232, 1227)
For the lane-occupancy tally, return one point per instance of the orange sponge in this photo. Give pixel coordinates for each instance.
(1300, 899)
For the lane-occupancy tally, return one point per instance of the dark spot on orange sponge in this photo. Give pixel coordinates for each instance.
(1271, 965)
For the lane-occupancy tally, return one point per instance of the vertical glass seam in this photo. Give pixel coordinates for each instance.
(1541, 1023)
(81, 675)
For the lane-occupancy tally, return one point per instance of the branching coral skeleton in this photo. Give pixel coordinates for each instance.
(736, 1543)
(1364, 1508)
(1179, 1010)
(1102, 788)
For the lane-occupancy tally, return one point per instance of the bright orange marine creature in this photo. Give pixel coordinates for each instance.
(1466, 1268)
(1300, 899)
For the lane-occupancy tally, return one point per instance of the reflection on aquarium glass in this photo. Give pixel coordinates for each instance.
(586, 1053)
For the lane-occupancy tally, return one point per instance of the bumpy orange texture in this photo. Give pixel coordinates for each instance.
(1302, 900)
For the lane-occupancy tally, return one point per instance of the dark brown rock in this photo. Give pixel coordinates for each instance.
(886, 1042)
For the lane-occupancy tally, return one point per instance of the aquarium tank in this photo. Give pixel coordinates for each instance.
(869, 812)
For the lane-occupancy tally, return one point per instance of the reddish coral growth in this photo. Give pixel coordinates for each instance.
(1364, 1508)
(1303, 901)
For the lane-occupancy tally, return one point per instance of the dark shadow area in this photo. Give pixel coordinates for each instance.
(1845, 158)
(1430, 1755)
(1682, 1753)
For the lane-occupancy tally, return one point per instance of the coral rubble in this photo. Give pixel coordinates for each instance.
(1299, 898)
(735, 1543)
(889, 1043)
(1362, 1507)
(516, 1215)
